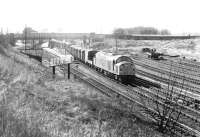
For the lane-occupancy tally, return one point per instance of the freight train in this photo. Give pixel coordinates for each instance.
(118, 67)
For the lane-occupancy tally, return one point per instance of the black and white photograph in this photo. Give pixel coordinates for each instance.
(99, 68)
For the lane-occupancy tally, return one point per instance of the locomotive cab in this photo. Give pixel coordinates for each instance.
(124, 58)
(125, 71)
(125, 68)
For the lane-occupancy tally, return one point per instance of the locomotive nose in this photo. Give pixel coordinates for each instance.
(127, 69)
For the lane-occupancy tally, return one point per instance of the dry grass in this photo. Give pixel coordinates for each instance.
(58, 108)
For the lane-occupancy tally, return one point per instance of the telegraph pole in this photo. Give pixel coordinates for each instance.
(116, 44)
(54, 71)
(68, 70)
(25, 37)
(1, 31)
(7, 37)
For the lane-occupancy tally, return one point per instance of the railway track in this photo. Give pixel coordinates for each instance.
(161, 98)
(96, 84)
(178, 66)
(170, 78)
(190, 79)
(159, 102)
(194, 70)
(130, 95)
(190, 94)
(156, 86)
(159, 75)
(105, 90)
(166, 81)
(186, 111)
(172, 66)
(186, 99)
(188, 63)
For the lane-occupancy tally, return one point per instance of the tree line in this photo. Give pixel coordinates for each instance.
(141, 31)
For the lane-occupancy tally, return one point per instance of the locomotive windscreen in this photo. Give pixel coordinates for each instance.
(123, 58)
(91, 54)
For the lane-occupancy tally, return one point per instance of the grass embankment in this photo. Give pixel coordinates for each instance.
(34, 105)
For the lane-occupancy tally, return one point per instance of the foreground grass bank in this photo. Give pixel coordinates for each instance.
(32, 104)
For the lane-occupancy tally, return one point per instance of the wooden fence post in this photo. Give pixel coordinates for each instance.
(54, 71)
(68, 70)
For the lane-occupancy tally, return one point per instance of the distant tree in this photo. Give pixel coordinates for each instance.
(143, 30)
(140, 30)
(165, 32)
(28, 30)
(119, 31)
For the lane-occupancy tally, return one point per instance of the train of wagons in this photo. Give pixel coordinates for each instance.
(118, 67)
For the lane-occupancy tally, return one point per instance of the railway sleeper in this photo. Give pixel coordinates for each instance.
(162, 104)
(168, 106)
(170, 73)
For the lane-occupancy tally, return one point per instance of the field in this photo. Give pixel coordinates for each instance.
(33, 104)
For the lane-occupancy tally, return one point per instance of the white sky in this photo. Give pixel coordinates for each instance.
(100, 16)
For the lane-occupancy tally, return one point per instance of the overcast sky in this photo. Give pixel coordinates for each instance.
(100, 16)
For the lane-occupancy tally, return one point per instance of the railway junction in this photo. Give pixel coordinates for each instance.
(149, 91)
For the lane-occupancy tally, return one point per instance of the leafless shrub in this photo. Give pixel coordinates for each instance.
(168, 110)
